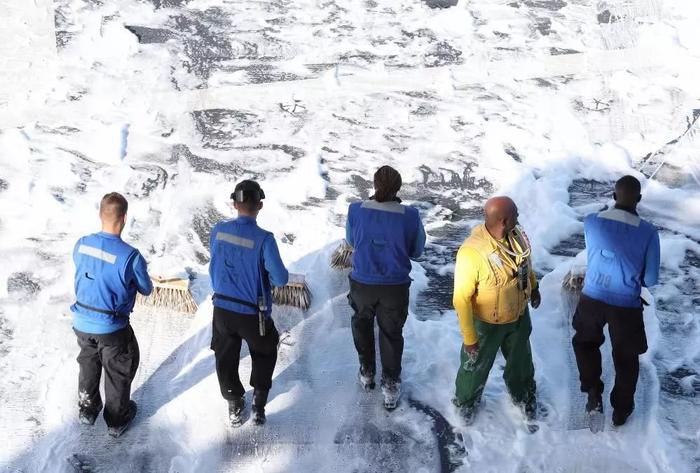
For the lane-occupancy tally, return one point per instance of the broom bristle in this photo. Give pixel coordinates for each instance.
(342, 256)
(573, 281)
(296, 293)
(169, 294)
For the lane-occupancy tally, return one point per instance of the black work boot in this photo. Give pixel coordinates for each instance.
(530, 409)
(259, 401)
(366, 377)
(235, 411)
(88, 415)
(391, 389)
(595, 401)
(116, 431)
(620, 416)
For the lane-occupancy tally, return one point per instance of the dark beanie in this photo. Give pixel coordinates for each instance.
(387, 182)
(247, 191)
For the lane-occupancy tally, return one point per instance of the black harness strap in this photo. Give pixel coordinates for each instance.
(237, 301)
(95, 309)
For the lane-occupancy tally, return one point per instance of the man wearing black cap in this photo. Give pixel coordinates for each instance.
(245, 263)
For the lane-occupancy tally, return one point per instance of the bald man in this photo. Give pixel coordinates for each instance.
(623, 255)
(493, 283)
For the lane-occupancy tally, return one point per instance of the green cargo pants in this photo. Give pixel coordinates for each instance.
(514, 341)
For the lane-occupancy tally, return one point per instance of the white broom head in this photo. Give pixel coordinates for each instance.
(296, 293)
(573, 281)
(171, 294)
(342, 256)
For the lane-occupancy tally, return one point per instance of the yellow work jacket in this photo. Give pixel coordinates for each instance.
(486, 281)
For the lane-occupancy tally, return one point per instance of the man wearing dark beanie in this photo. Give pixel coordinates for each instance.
(385, 236)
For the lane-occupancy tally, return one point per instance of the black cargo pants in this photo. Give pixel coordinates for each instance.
(628, 339)
(229, 329)
(389, 304)
(118, 354)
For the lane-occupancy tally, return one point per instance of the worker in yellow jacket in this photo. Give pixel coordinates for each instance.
(494, 281)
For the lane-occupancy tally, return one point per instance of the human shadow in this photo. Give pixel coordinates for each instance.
(169, 380)
(169, 371)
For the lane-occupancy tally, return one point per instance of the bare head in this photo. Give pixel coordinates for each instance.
(628, 192)
(247, 198)
(387, 182)
(113, 208)
(501, 216)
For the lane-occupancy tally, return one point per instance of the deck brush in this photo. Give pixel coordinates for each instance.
(342, 256)
(296, 293)
(573, 281)
(169, 294)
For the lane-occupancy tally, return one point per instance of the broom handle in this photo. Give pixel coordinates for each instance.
(262, 306)
(261, 320)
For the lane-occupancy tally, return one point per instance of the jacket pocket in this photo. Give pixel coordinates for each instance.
(378, 249)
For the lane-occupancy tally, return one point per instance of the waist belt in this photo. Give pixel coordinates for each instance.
(101, 311)
(237, 301)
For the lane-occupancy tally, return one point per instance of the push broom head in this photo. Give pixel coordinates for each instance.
(573, 281)
(296, 293)
(172, 294)
(342, 256)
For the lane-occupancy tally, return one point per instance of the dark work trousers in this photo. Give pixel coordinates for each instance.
(118, 354)
(389, 304)
(229, 329)
(626, 327)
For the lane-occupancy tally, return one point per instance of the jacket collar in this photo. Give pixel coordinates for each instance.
(626, 209)
(491, 245)
(244, 219)
(483, 234)
(111, 236)
(395, 199)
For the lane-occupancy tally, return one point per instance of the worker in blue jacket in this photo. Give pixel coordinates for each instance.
(245, 263)
(385, 236)
(108, 274)
(623, 255)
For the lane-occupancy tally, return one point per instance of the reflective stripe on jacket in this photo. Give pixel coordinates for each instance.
(385, 237)
(245, 263)
(108, 273)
